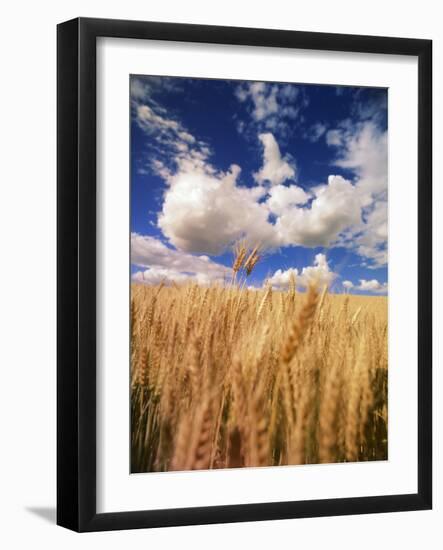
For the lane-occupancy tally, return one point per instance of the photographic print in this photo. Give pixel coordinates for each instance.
(259, 274)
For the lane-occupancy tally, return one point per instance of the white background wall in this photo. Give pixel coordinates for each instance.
(27, 272)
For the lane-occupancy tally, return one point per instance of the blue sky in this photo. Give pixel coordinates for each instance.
(300, 169)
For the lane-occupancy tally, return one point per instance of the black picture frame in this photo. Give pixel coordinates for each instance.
(76, 280)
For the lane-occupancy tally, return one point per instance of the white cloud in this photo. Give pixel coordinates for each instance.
(316, 131)
(206, 212)
(155, 276)
(334, 137)
(147, 251)
(146, 87)
(283, 198)
(275, 169)
(319, 274)
(373, 109)
(263, 97)
(289, 91)
(336, 206)
(280, 280)
(362, 148)
(254, 288)
(373, 286)
(372, 243)
(365, 151)
(139, 90)
(164, 263)
(160, 169)
(272, 107)
(150, 121)
(186, 136)
(174, 146)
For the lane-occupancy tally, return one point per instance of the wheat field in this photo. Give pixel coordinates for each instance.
(226, 377)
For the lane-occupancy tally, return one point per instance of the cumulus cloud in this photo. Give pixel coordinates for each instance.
(319, 273)
(275, 169)
(336, 206)
(281, 280)
(206, 212)
(372, 242)
(373, 286)
(362, 148)
(283, 198)
(156, 276)
(365, 151)
(166, 264)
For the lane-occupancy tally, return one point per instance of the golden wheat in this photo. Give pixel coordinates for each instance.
(225, 377)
